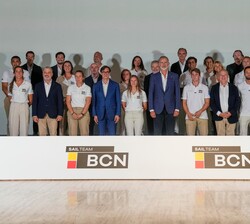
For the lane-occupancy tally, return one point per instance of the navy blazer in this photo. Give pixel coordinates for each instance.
(36, 75)
(170, 99)
(51, 105)
(109, 105)
(55, 72)
(89, 81)
(233, 102)
(146, 83)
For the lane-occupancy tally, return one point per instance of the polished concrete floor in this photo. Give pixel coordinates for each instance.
(77, 202)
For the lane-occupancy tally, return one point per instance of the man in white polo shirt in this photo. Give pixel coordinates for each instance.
(244, 89)
(7, 78)
(195, 103)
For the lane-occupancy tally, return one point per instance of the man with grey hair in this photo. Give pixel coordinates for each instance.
(47, 106)
(180, 66)
(225, 103)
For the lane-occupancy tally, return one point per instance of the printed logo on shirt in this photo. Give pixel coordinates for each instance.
(83, 92)
(95, 157)
(72, 83)
(24, 90)
(138, 97)
(221, 157)
(200, 91)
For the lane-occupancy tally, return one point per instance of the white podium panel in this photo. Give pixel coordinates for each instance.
(120, 157)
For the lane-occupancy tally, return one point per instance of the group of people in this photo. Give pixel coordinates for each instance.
(176, 99)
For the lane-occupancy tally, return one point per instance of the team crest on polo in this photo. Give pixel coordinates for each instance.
(221, 157)
(95, 157)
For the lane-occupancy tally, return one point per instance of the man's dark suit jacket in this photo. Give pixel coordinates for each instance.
(146, 83)
(89, 81)
(234, 69)
(55, 72)
(177, 69)
(233, 102)
(36, 75)
(51, 105)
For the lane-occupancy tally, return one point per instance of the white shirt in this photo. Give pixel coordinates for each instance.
(47, 87)
(134, 101)
(59, 71)
(69, 82)
(8, 76)
(79, 94)
(186, 79)
(195, 96)
(182, 66)
(224, 94)
(20, 93)
(30, 68)
(210, 79)
(239, 78)
(105, 88)
(139, 72)
(244, 90)
(95, 79)
(164, 81)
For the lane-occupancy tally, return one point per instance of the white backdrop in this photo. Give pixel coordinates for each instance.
(121, 30)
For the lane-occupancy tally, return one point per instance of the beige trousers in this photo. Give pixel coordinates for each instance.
(19, 119)
(223, 127)
(82, 124)
(201, 124)
(45, 124)
(63, 124)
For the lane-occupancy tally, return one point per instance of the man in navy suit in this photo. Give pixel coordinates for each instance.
(164, 98)
(57, 69)
(47, 106)
(106, 103)
(225, 103)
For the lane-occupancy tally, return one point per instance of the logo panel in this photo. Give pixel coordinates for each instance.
(95, 157)
(226, 157)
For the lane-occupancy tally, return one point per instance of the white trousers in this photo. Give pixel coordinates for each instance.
(244, 124)
(19, 119)
(134, 122)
